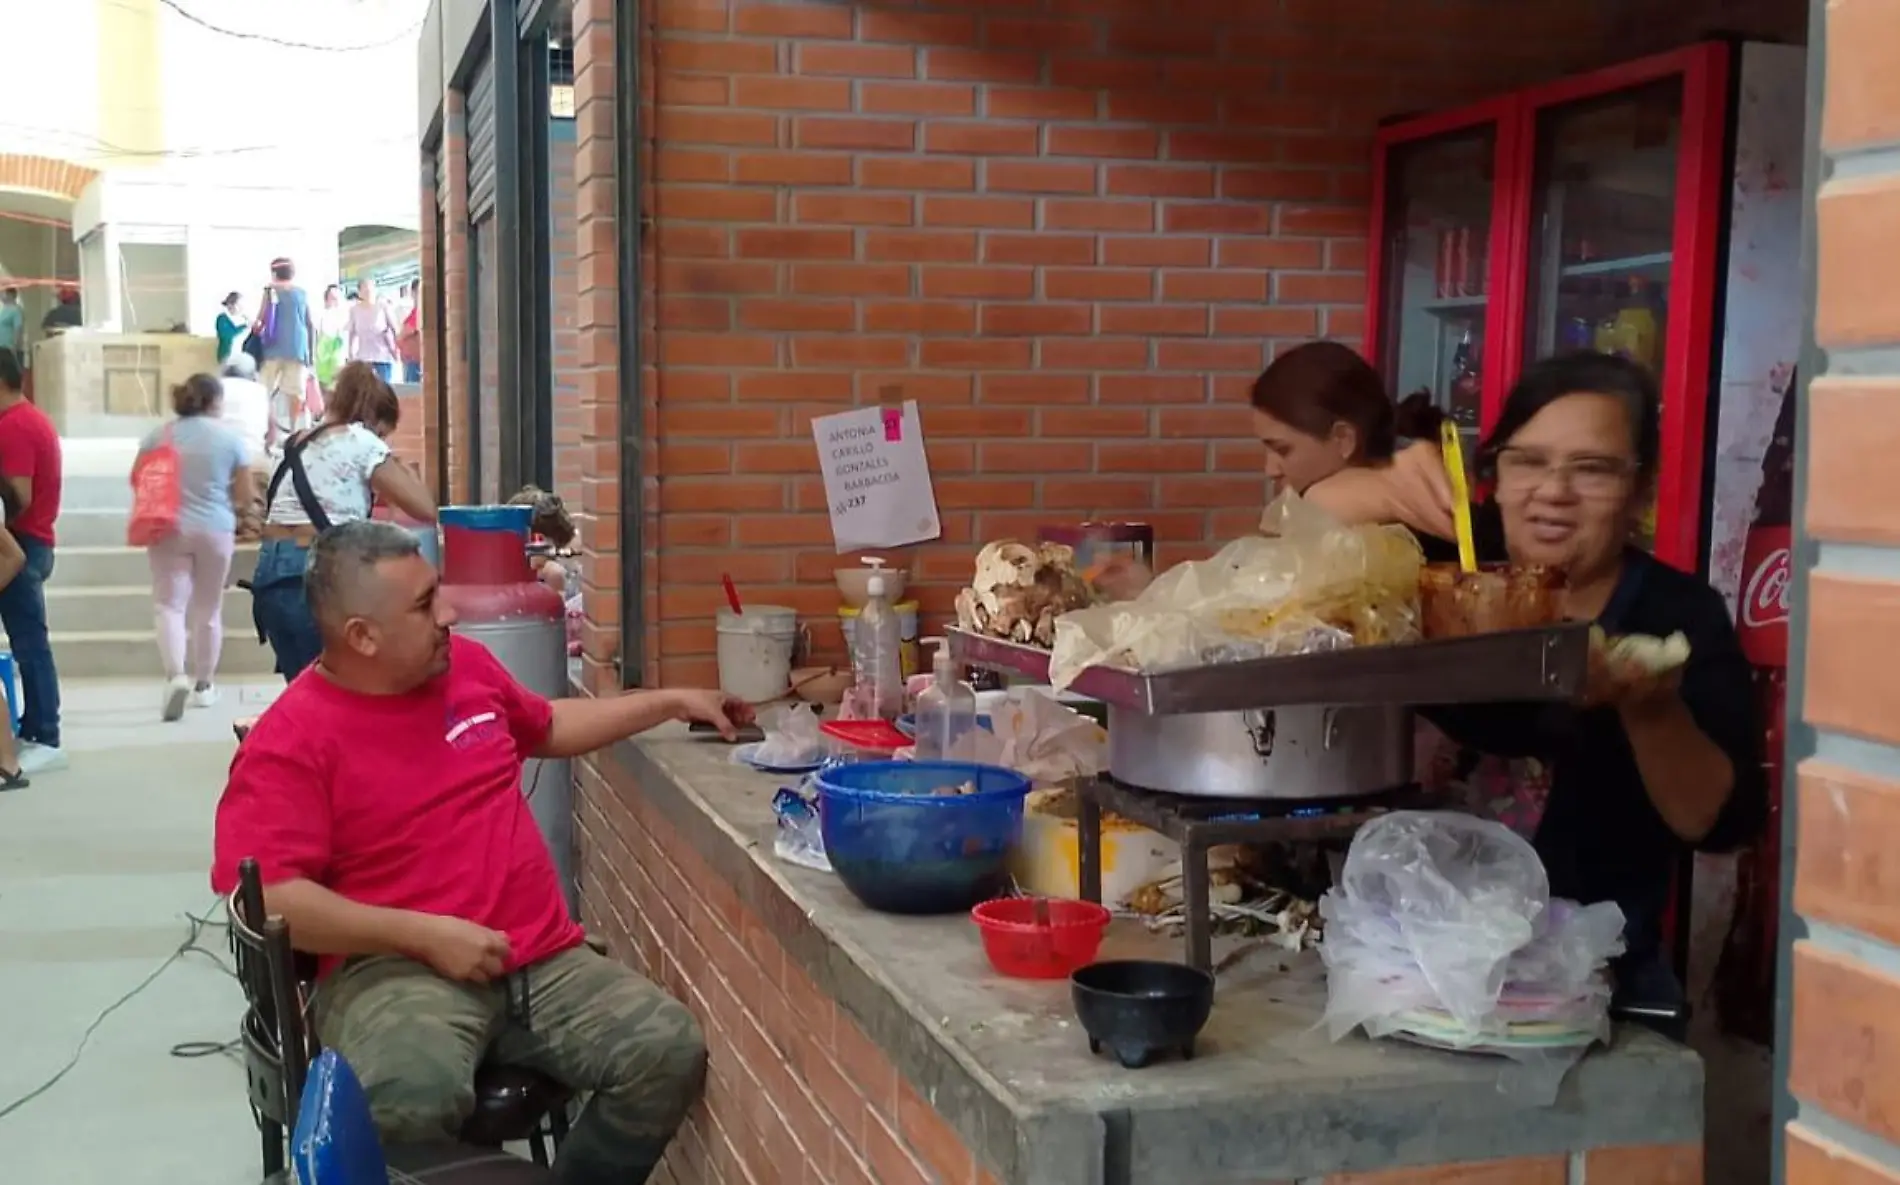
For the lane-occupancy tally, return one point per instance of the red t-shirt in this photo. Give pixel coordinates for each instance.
(407, 802)
(29, 447)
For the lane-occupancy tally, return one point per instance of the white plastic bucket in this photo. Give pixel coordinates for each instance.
(755, 651)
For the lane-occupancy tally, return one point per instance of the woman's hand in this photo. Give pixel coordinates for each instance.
(1413, 490)
(1627, 686)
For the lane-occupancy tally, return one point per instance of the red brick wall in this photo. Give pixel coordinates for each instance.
(795, 1090)
(570, 460)
(1074, 232)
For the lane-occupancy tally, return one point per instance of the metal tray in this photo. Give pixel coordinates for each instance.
(1535, 664)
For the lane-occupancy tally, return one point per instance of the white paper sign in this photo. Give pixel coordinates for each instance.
(877, 482)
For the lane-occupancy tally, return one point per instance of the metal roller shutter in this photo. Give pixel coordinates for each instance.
(481, 141)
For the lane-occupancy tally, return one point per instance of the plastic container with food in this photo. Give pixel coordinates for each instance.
(921, 837)
(1458, 604)
(1049, 860)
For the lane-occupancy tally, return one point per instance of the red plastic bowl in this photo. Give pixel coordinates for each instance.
(1018, 947)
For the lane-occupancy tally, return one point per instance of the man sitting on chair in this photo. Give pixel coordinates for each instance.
(381, 797)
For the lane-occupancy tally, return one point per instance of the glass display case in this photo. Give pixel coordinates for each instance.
(1580, 215)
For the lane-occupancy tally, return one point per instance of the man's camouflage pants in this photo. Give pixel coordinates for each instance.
(415, 1038)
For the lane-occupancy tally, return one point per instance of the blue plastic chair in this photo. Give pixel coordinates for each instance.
(335, 1141)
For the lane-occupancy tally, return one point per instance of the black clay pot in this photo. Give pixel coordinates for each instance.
(1140, 1010)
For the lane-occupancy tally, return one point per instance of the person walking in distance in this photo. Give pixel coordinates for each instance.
(409, 341)
(189, 566)
(372, 332)
(288, 329)
(30, 461)
(12, 322)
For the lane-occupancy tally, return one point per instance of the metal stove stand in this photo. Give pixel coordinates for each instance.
(1200, 824)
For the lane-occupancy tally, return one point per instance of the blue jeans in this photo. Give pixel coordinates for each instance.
(279, 609)
(412, 372)
(385, 371)
(23, 612)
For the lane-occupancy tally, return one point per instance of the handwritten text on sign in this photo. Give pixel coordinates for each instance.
(877, 482)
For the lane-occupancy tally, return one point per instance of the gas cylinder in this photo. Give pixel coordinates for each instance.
(498, 602)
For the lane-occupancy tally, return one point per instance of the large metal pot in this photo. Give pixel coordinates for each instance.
(1290, 752)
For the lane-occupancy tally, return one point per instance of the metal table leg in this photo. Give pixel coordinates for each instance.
(1194, 895)
(1088, 842)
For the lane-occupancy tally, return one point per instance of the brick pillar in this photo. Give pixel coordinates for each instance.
(597, 340)
(429, 302)
(1843, 1039)
(454, 301)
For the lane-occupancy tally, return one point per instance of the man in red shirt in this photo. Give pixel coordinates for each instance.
(30, 463)
(381, 797)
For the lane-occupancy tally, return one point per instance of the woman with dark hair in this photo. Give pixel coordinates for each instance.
(190, 566)
(333, 473)
(232, 326)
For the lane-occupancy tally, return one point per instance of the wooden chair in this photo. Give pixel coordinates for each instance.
(512, 1103)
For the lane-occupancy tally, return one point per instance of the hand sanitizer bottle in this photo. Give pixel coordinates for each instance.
(946, 710)
(876, 652)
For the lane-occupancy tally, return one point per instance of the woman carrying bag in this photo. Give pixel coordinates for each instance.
(330, 474)
(191, 486)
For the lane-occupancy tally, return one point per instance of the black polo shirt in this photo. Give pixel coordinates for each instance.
(1601, 838)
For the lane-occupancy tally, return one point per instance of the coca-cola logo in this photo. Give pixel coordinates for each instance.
(1765, 598)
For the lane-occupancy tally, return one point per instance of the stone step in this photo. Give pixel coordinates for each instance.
(91, 528)
(134, 654)
(119, 566)
(113, 609)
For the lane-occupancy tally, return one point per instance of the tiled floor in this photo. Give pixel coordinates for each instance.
(99, 865)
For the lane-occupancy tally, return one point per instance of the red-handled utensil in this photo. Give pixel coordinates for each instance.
(732, 595)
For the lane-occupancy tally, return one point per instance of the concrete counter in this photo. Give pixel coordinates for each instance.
(864, 1046)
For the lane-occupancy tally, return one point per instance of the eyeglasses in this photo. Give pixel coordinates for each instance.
(1520, 470)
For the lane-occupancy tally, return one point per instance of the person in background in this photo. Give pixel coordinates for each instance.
(348, 465)
(288, 329)
(30, 459)
(12, 563)
(409, 341)
(247, 413)
(372, 333)
(381, 798)
(12, 322)
(232, 326)
(333, 327)
(190, 566)
(65, 314)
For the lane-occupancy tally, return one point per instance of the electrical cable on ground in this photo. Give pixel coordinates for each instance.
(270, 39)
(188, 1049)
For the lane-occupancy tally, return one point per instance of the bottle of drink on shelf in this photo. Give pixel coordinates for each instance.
(1636, 325)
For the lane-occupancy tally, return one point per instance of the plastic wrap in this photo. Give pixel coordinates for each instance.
(1311, 585)
(1442, 930)
(791, 739)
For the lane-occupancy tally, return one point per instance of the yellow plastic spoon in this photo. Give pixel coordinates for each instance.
(1454, 454)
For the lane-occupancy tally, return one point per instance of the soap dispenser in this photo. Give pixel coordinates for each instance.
(946, 710)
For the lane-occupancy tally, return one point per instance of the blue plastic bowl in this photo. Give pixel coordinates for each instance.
(902, 849)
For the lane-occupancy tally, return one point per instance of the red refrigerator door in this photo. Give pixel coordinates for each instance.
(1619, 219)
(1441, 250)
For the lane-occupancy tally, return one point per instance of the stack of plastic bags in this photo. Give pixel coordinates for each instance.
(1442, 931)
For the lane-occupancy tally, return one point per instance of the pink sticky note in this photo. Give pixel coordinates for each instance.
(893, 424)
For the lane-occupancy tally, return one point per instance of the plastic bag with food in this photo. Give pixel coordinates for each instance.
(1039, 737)
(1313, 584)
(791, 739)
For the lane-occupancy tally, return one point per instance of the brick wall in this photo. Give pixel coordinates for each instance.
(1844, 1036)
(1074, 232)
(454, 371)
(795, 1091)
(570, 461)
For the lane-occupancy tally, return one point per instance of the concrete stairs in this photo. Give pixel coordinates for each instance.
(99, 601)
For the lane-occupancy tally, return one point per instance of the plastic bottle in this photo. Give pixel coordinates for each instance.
(875, 652)
(946, 710)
